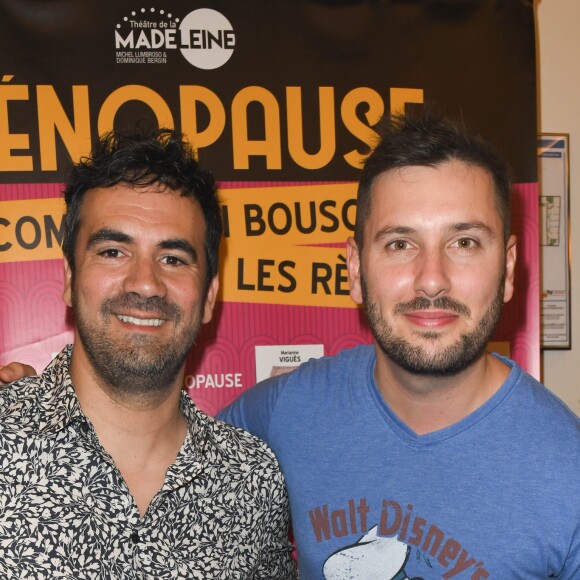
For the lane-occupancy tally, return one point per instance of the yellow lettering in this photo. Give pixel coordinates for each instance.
(255, 120)
(362, 131)
(10, 141)
(296, 126)
(31, 229)
(52, 118)
(270, 146)
(133, 93)
(399, 97)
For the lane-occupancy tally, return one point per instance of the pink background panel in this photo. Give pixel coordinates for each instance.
(34, 325)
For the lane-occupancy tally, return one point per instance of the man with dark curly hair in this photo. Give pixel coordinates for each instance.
(108, 469)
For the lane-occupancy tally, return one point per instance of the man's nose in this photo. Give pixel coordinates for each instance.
(144, 278)
(432, 274)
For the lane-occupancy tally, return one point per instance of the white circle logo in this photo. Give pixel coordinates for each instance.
(207, 38)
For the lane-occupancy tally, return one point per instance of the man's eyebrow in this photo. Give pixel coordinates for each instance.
(108, 235)
(394, 230)
(111, 235)
(455, 228)
(179, 244)
(469, 226)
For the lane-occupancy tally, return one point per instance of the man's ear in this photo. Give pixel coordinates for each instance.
(353, 269)
(510, 268)
(67, 293)
(210, 299)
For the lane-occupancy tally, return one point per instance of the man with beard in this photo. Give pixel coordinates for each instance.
(424, 456)
(108, 469)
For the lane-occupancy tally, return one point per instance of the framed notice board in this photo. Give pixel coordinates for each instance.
(554, 214)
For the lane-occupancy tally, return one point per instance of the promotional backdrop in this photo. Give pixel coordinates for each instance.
(280, 99)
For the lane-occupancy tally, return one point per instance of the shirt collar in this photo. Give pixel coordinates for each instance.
(62, 408)
(59, 402)
(193, 455)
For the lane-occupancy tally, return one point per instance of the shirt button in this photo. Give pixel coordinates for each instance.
(135, 537)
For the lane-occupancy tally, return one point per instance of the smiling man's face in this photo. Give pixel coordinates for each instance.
(434, 271)
(138, 288)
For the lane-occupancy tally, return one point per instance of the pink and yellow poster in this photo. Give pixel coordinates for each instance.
(281, 100)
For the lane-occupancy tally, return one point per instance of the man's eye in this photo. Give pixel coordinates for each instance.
(110, 253)
(173, 261)
(466, 243)
(399, 245)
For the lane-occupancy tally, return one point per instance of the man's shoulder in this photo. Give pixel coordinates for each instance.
(29, 402)
(235, 445)
(314, 380)
(543, 399)
(22, 394)
(543, 411)
(21, 414)
(246, 461)
(332, 369)
(236, 442)
(329, 376)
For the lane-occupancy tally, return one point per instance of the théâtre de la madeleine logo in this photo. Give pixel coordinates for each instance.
(205, 37)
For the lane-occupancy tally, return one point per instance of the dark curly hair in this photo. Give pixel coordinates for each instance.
(141, 159)
(428, 140)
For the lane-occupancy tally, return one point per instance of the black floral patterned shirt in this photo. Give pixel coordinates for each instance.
(66, 512)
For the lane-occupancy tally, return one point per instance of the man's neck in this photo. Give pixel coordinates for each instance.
(430, 403)
(142, 434)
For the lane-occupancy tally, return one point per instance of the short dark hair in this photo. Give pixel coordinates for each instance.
(140, 159)
(427, 140)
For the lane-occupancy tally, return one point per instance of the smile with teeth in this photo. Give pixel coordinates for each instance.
(140, 321)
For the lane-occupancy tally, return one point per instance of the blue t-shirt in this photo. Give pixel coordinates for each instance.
(496, 495)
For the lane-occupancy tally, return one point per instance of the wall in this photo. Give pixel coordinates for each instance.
(558, 23)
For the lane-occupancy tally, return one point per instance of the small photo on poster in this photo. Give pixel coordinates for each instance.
(279, 359)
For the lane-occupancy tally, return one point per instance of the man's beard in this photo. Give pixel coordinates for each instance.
(142, 365)
(449, 360)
